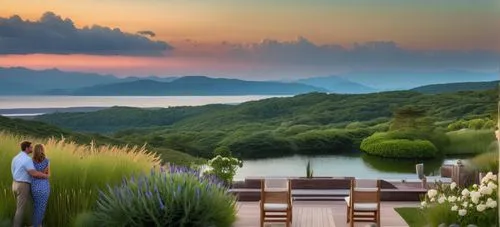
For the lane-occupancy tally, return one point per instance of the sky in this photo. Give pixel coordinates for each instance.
(258, 39)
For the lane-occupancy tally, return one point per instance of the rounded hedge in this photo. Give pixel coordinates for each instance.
(380, 144)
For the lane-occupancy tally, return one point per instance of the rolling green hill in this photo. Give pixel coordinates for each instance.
(314, 123)
(41, 130)
(456, 87)
(315, 109)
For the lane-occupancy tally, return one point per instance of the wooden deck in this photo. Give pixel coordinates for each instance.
(321, 214)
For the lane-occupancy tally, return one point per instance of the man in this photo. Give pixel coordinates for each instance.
(22, 171)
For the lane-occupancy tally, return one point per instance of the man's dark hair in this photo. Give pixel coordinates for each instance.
(25, 145)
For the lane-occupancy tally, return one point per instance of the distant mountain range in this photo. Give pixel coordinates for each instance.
(337, 84)
(197, 85)
(388, 80)
(455, 87)
(23, 81)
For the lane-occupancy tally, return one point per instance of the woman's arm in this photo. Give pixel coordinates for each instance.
(48, 169)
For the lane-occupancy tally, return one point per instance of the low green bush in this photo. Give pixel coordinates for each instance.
(322, 142)
(471, 142)
(224, 168)
(177, 198)
(261, 145)
(486, 162)
(475, 124)
(436, 137)
(400, 148)
(356, 125)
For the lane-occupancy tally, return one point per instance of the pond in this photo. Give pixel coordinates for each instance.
(358, 165)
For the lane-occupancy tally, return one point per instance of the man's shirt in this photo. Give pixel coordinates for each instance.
(21, 164)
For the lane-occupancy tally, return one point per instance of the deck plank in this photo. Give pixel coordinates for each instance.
(319, 214)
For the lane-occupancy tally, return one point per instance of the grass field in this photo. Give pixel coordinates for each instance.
(77, 174)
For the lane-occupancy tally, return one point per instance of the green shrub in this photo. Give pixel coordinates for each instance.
(476, 124)
(261, 145)
(436, 137)
(223, 151)
(76, 174)
(356, 125)
(224, 168)
(489, 124)
(400, 148)
(322, 142)
(382, 127)
(296, 129)
(358, 135)
(486, 162)
(457, 125)
(470, 141)
(178, 198)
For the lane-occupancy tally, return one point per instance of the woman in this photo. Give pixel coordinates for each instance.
(40, 188)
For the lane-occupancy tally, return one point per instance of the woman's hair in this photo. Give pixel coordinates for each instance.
(39, 153)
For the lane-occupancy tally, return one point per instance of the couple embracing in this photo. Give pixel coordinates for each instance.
(31, 182)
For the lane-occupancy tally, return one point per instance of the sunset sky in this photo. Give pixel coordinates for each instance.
(258, 39)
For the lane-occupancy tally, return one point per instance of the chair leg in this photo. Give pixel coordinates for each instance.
(351, 217)
(291, 214)
(378, 218)
(262, 213)
(347, 215)
(288, 218)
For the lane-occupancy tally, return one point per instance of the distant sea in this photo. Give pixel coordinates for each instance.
(36, 105)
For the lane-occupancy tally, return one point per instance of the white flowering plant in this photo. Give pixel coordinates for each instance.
(450, 204)
(223, 168)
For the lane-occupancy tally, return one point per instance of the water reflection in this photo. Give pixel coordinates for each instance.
(353, 165)
(431, 167)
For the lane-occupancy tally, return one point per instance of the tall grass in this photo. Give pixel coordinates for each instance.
(470, 141)
(486, 162)
(77, 172)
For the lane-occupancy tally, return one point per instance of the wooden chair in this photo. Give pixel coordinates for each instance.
(363, 204)
(276, 201)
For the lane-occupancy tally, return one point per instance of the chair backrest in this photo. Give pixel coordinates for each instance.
(365, 191)
(276, 190)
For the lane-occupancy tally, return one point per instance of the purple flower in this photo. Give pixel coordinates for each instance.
(162, 206)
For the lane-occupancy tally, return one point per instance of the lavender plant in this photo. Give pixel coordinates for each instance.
(175, 196)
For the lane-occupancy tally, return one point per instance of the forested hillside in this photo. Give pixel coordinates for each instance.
(310, 124)
(40, 130)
